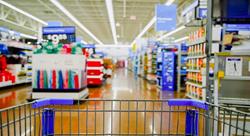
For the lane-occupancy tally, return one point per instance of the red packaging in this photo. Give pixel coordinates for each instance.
(76, 79)
(54, 79)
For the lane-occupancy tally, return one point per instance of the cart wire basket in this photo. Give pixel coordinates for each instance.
(186, 117)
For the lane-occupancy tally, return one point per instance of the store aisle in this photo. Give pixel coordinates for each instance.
(123, 85)
(128, 94)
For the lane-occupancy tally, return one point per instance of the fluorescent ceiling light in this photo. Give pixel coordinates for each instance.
(150, 23)
(77, 22)
(118, 24)
(169, 2)
(28, 36)
(109, 6)
(172, 32)
(181, 39)
(23, 12)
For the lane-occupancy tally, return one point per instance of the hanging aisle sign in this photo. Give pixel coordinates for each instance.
(62, 34)
(165, 17)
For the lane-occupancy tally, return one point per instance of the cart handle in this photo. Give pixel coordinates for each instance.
(171, 102)
(52, 101)
(188, 102)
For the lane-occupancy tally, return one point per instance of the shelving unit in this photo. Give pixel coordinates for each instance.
(151, 64)
(94, 71)
(196, 61)
(18, 72)
(159, 67)
(64, 76)
(182, 68)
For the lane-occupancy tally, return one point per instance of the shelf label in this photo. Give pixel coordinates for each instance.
(234, 66)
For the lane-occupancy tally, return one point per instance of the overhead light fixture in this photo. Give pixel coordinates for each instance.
(150, 23)
(118, 24)
(77, 22)
(23, 12)
(169, 2)
(109, 6)
(133, 17)
(172, 32)
(28, 36)
(181, 39)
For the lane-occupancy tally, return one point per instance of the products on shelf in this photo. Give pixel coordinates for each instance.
(65, 67)
(57, 79)
(195, 64)
(169, 71)
(197, 49)
(50, 48)
(94, 71)
(196, 60)
(197, 35)
(194, 77)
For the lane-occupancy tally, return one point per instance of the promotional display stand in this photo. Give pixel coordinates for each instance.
(59, 76)
(59, 65)
(94, 71)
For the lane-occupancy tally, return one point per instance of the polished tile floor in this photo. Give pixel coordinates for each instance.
(138, 107)
(123, 85)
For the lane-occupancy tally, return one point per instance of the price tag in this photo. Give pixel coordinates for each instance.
(234, 66)
(65, 34)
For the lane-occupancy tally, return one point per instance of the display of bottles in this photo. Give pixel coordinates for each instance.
(195, 64)
(197, 50)
(194, 91)
(196, 61)
(196, 35)
(194, 77)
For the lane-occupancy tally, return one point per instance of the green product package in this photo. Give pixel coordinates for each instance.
(69, 79)
(45, 76)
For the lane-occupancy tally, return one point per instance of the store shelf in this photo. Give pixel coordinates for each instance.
(18, 45)
(237, 78)
(184, 53)
(81, 94)
(192, 97)
(201, 40)
(194, 84)
(196, 57)
(193, 70)
(5, 84)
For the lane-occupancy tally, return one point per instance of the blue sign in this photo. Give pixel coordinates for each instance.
(166, 17)
(3, 29)
(88, 46)
(237, 27)
(202, 13)
(59, 34)
(59, 30)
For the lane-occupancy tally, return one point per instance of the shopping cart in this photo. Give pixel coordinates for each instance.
(122, 117)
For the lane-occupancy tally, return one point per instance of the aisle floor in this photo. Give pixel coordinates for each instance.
(126, 115)
(123, 85)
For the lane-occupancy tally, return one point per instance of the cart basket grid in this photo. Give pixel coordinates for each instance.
(122, 117)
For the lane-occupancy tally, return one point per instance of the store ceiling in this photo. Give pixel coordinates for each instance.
(131, 15)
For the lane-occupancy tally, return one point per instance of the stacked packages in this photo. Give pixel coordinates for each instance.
(49, 48)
